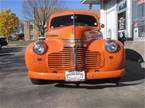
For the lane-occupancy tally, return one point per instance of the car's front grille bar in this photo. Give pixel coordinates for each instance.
(84, 59)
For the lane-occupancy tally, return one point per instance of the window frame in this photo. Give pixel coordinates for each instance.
(73, 21)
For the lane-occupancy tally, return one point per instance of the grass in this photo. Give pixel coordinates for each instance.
(19, 43)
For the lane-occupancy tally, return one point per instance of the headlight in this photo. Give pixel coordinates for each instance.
(111, 46)
(40, 47)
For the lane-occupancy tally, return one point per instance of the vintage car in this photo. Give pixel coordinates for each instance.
(74, 50)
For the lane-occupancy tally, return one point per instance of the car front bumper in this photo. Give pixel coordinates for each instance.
(89, 75)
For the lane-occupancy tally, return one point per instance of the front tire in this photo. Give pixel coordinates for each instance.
(0, 46)
(37, 81)
(117, 81)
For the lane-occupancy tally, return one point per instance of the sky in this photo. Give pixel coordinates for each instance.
(16, 6)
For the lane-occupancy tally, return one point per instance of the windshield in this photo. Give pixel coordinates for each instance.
(67, 20)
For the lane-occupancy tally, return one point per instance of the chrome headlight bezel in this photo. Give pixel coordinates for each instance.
(111, 46)
(39, 47)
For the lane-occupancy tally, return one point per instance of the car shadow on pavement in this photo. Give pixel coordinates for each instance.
(133, 55)
(96, 85)
(134, 75)
(135, 66)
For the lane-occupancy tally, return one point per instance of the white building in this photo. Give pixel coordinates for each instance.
(123, 18)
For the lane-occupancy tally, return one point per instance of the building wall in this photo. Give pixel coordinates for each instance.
(30, 31)
(129, 22)
(109, 19)
(138, 20)
(134, 19)
(26, 30)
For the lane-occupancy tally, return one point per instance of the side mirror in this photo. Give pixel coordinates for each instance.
(102, 25)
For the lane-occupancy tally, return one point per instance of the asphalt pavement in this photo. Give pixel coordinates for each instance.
(16, 90)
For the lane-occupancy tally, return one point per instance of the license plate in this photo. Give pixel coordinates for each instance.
(75, 75)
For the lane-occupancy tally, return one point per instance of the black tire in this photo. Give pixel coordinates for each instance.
(77, 84)
(37, 81)
(117, 81)
(0, 46)
(117, 84)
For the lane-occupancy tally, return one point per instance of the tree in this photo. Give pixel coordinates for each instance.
(8, 22)
(38, 12)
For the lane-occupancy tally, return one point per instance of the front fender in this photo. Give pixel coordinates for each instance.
(39, 63)
(112, 61)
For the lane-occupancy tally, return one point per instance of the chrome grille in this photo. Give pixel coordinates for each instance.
(64, 60)
(94, 60)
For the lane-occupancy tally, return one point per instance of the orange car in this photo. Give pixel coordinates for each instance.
(74, 50)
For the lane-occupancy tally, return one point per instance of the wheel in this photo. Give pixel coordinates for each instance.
(0, 46)
(117, 81)
(37, 81)
(77, 84)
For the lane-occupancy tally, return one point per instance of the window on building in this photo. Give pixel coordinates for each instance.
(139, 18)
(138, 9)
(31, 37)
(141, 31)
(31, 28)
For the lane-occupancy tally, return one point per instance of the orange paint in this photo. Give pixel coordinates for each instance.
(89, 55)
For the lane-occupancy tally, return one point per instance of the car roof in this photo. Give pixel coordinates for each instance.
(83, 12)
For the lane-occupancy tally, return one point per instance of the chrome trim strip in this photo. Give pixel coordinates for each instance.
(73, 45)
(75, 56)
(72, 40)
(53, 35)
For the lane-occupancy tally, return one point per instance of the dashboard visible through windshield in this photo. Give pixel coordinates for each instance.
(77, 19)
